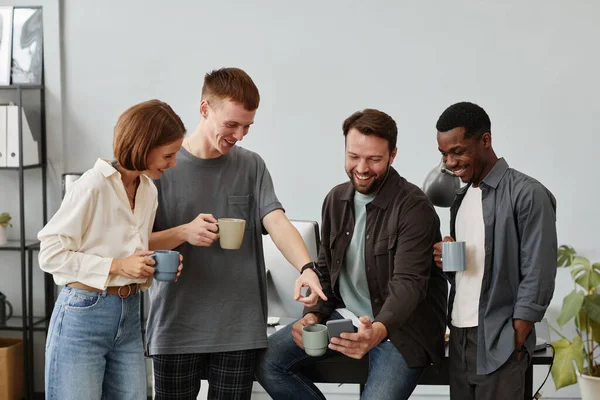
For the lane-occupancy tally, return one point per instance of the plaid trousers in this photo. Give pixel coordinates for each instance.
(230, 375)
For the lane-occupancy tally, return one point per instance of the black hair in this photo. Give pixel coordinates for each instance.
(465, 115)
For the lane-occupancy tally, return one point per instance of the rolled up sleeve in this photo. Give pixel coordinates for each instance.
(61, 240)
(536, 218)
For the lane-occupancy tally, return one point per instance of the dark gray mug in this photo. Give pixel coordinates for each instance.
(454, 256)
(167, 262)
(4, 304)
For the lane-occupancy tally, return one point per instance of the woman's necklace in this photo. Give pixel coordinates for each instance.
(131, 194)
(135, 184)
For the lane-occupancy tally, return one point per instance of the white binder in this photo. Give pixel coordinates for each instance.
(3, 155)
(31, 154)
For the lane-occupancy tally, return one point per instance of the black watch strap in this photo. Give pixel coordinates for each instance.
(312, 265)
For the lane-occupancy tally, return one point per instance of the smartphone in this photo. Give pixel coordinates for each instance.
(337, 326)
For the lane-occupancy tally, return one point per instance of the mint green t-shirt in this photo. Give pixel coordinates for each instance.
(354, 288)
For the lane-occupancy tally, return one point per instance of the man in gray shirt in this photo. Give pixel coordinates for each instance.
(508, 222)
(214, 320)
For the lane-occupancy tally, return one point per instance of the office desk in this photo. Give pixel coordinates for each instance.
(342, 369)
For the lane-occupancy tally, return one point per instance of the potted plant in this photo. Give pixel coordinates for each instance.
(579, 356)
(4, 222)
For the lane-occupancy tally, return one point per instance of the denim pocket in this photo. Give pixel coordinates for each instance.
(82, 300)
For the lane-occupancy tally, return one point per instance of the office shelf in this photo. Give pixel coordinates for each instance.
(25, 167)
(15, 323)
(22, 86)
(30, 99)
(15, 245)
(41, 324)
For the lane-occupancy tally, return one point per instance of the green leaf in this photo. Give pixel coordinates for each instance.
(589, 280)
(5, 219)
(563, 371)
(596, 267)
(596, 332)
(591, 305)
(577, 271)
(570, 308)
(582, 324)
(565, 256)
(585, 276)
(582, 261)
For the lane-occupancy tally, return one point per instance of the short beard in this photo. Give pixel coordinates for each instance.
(375, 186)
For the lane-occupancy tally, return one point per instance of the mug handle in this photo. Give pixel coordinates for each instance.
(217, 224)
(10, 309)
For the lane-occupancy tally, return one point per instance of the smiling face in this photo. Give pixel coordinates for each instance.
(226, 123)
(468, 158)
(162, 158)
(368, 160)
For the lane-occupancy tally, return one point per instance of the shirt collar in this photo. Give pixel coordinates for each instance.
(104, 167)
(494, 177)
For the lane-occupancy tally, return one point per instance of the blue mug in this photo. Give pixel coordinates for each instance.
(167, 262)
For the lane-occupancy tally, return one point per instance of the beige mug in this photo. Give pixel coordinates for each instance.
(231, 232)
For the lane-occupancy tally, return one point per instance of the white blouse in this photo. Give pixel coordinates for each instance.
(94, 225)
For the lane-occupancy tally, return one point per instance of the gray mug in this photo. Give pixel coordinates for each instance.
(454, 256)
(167, 263)
(315, 339)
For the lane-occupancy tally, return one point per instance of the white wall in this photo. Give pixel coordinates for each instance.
(532, 65)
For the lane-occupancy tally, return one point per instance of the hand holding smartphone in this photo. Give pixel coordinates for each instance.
(336, 326)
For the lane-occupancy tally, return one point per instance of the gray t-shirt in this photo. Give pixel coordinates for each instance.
(354, 288)
(219, 303)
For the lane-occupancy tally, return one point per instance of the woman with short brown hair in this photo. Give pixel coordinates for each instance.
(96, 245)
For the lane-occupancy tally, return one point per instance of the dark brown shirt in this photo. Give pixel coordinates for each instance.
(408, 292)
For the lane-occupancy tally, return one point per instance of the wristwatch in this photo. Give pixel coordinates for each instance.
(312, 265)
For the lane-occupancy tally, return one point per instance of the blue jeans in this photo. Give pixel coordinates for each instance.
(277, 370)
(94, 347)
